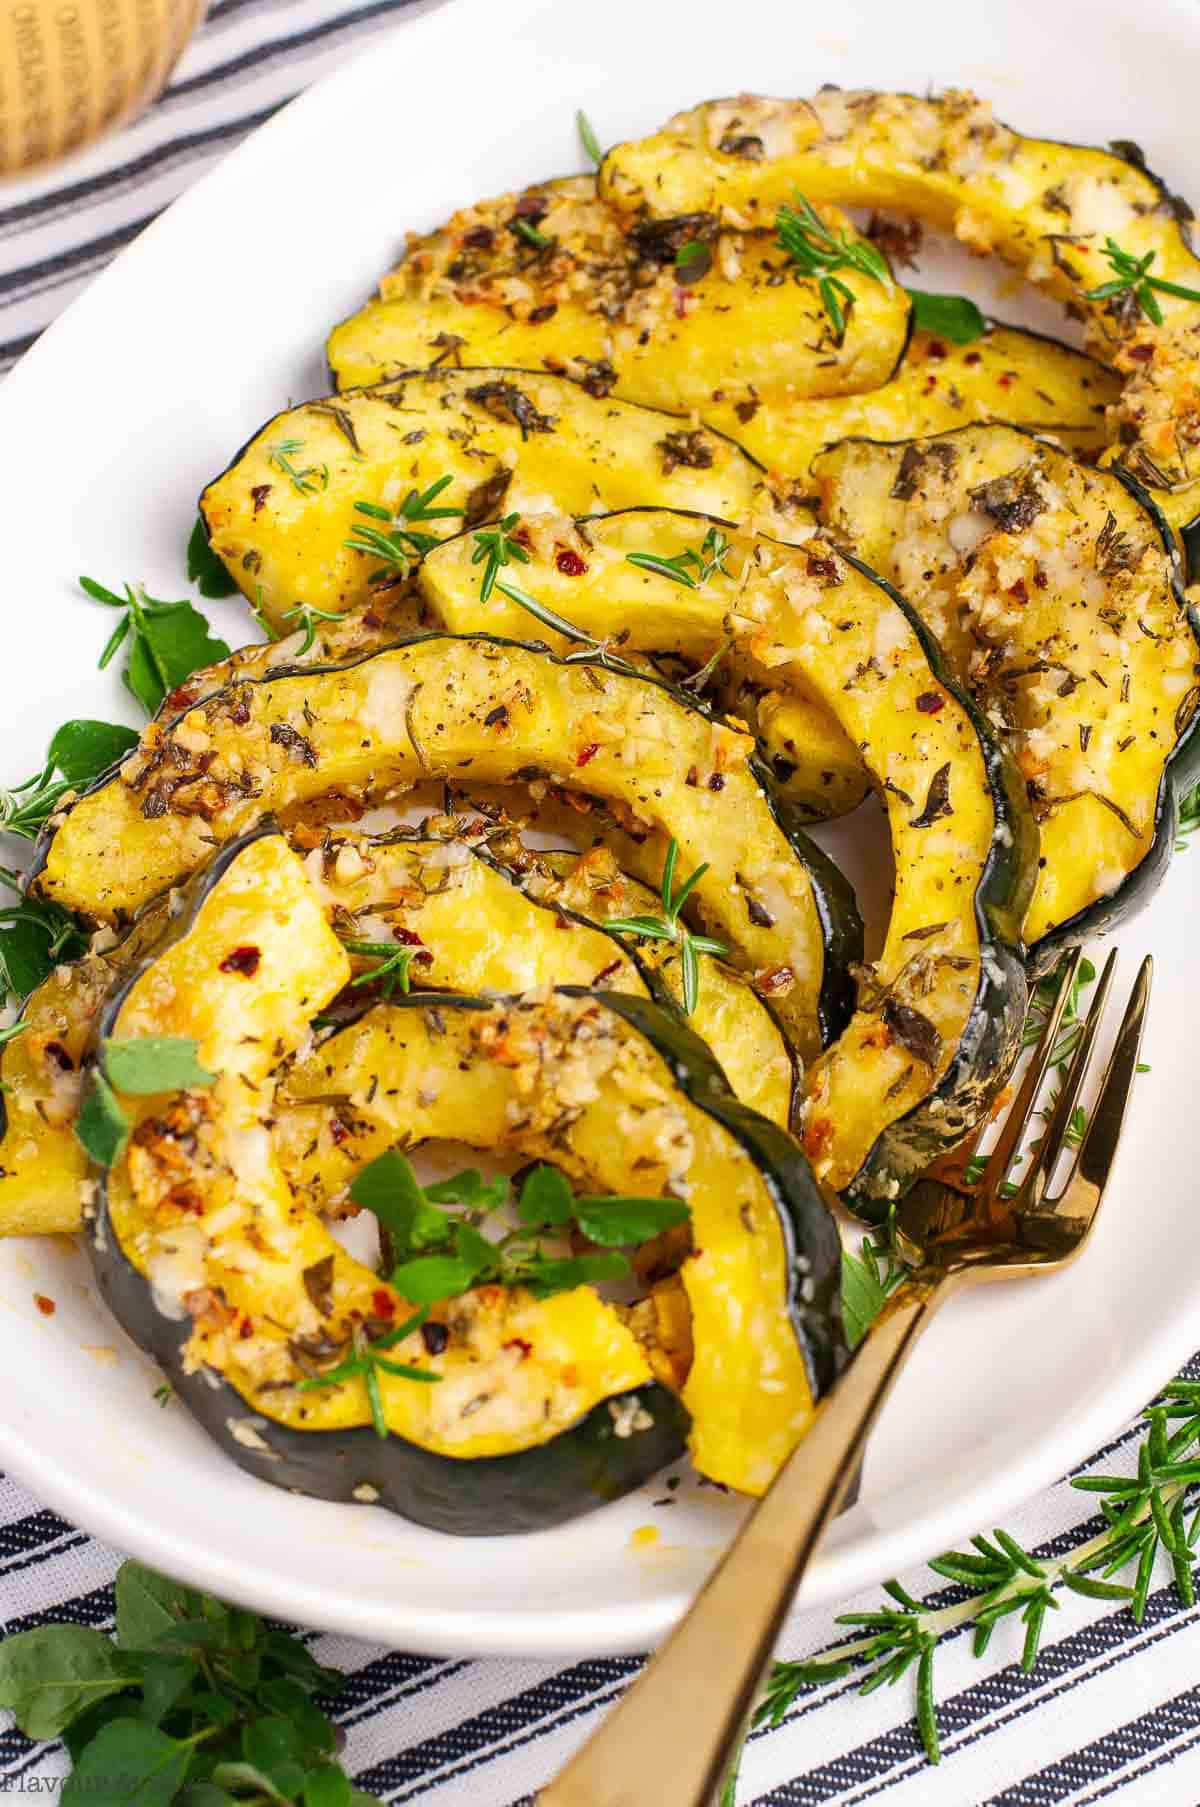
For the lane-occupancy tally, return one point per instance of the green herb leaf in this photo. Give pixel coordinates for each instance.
(952, 317)
(616, 1222)
(545, 1199)
(434, 1277)
(145, 1064)
(165, 1680)
(102, 1126)
(817, 252)
(328, 1787)
(34, 937)
(129, 1764)
(149, 1604)
(546, 1277)
(50, 1675)
(204, 568)
(588, 138)
(692, 261)
(390, 1190)
(867, 1279)
(167, 642)
(82, 750)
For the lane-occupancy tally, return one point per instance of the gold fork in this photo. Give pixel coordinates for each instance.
(670, 1740)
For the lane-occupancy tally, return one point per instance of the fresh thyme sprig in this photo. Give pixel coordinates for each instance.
(667, 926)
(1145, 1517)
(400, 545)
(818, 251)
(367, 1361)
(1131, 276)
(308, 614)
(392, 972)
(691, 568)
(495, 547)
(307, 482)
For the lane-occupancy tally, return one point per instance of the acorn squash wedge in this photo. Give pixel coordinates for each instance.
(615, 1091)
(214, 1265)
(1046, 207)
(466, 926)
(299, 515)
(554, 279)
(499, 710)
(939, 1013)
(1007, 374)
(1054, 592)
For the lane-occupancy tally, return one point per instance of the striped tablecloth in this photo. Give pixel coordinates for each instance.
(1112, 1709)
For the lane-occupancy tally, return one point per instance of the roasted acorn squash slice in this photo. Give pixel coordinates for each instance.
(213, 1265)
(282, 517)
(647, 1109)
(498, 710)
(1055, 594)
(1048, 208)
(466, 926)
(940, 1010)
(612, 308)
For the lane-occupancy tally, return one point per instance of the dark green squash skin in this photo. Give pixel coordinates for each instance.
(991, 1036)
(1180, 773)
(834, 896)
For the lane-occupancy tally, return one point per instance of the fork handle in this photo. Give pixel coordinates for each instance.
(672, 1737)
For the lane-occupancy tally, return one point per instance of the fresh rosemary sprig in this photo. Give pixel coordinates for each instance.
(399, 545)
(690, 568)
(1145, 1517)
(35, 937)
(77, 754)
(308, 614)
(392, 972)
(667, 926)
(818, 251)
(367, 1361)
(528, 231)
(167, 641)
(588, 138)
(1131, 276)
(495, 547)
(308, 482)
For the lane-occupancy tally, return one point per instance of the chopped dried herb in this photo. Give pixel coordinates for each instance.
(282, 735)
(912, 1030)
(938, 458)
(505, 402)
(743, 144)
(1014, 501)
(1116, 551)
(937, 803)
(691, 449)
(661, 241)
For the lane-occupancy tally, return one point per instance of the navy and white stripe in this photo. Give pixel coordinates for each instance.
(1112, 1710)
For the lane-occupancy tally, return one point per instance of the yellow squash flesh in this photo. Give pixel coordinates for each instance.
(1046, 207)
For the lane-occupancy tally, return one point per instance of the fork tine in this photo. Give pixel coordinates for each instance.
(1099, 1146)
(1045, 1155)
(1012, 1130)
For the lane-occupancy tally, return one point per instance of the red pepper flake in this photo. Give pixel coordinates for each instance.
(1006, 379)
(46, 1306)
(716, 781)
(1018, 590)
(1039, 579)
(546, 311)
(382, 1304)
(585, 754)
(570, 563)
(243, 960)
(935, 349)
(259, 494)
(681, 303)
(606, 972)
(178, 700)
(817, 1137)
(408, 938)
(774, 980)
(822, 567)
(371, 619)
(930, 385)
(518, 1342)
(1141, 354)
(246, 1328)
(338, 1131)
(58, 1054)
(929, 702)
(973, 357)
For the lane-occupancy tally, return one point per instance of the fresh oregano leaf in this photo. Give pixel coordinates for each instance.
(545, 1199)
(81, 750)
(205, 1794)
(390, 1190)
(433, 1277)
(145, 1064)
(204, 568)
(50, 1675)
(328, 1787)
(546, 1277)
(149, 1604)
(614, 1222)
(244, 1779)
(129, 1764)
(165, 1681)
(167, 642)
(470, 1190)
(953, 317)
(102, 1126)
(290, 1655)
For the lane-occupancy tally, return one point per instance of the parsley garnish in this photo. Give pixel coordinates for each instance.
(1131, 275)
(667, 926)
(193, 1701)
(78, 753)
(168, 641)
(140, 1065)
(588, 138)
(435, 1253)
(952, 317)
(818, 251)
(399, 545)
(307, 482)
(690, 568)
